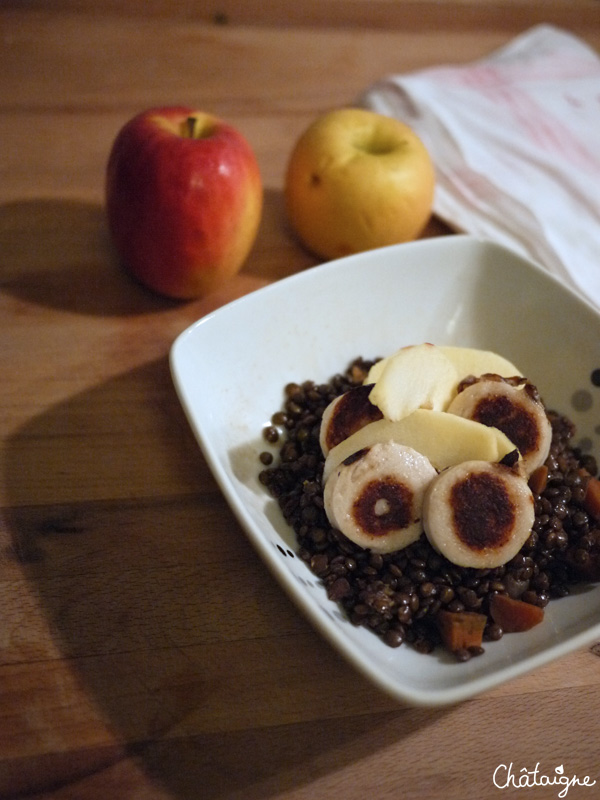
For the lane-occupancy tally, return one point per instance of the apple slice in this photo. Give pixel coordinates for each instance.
(418, 376)
(375, 372)
(470, 361)
(466, 360)
(445, 439)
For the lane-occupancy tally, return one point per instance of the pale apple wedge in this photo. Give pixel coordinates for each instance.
(466, 360)
(470, 361)
(445, 439)
(375, 372)
(419, 376)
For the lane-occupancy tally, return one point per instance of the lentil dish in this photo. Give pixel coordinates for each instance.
(402, 596)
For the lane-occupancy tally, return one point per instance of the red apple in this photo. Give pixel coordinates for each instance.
(183, 199)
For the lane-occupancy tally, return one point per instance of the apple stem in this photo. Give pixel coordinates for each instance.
(192, 123)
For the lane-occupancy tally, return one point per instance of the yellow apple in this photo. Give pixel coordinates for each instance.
(357, 180)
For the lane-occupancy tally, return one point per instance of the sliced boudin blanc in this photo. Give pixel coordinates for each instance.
(345, 415)
(515, 410)
(478, 514)
(375, 497)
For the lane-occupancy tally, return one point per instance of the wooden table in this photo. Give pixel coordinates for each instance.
(145, 651)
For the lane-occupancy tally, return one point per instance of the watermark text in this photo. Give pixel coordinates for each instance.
(506, 777)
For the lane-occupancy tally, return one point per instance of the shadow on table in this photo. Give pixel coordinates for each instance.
(58, 254)
(177, 634)
(161, 607)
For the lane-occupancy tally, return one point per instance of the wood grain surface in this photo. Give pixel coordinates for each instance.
(145, 650)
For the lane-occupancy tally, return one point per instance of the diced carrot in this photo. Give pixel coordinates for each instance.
(591, 501)
(538, 479)
(514, 615)
(461, 629)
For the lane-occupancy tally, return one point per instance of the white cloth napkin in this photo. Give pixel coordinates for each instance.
(515, 139)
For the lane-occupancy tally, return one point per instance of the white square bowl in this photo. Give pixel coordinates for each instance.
(230, 367)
